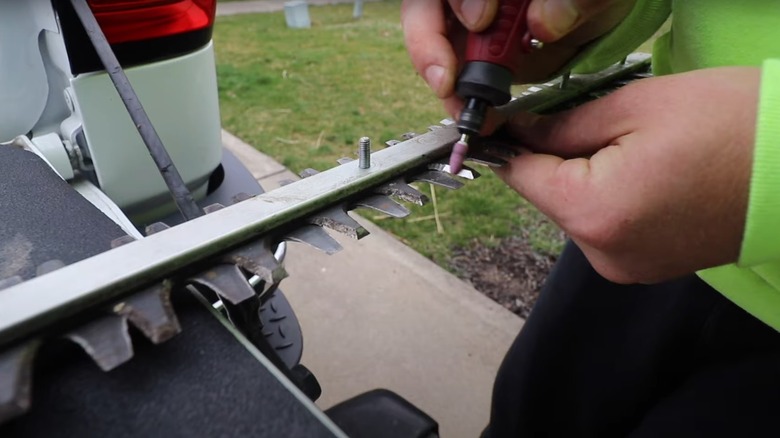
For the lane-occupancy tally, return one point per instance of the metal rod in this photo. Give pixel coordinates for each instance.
(31, 306)
(181, 194)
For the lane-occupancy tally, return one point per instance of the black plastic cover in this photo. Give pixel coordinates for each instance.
(382, 414)
(485, 81)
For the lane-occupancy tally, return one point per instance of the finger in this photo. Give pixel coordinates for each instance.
(425, 34)
(453, 105)
(548, 182)
(580, 194)
(551, 20)
(577, 132)
(476, 15)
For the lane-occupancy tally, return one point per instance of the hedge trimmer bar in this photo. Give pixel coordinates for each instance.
(94, 299)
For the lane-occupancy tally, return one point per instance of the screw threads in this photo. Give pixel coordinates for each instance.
(364, 153)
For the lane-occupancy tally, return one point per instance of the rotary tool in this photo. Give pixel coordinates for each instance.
(486, 77)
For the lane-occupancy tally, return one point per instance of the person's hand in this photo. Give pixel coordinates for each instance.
(435, 38)
(651, 181)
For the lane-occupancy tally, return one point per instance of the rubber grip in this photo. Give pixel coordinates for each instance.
(506, 37)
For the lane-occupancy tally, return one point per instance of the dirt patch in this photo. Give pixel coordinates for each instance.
(511, 273)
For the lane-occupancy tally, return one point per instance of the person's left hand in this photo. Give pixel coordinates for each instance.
(651, 181)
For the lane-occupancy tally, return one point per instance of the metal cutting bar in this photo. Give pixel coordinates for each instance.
(94, 283)
(32, 305)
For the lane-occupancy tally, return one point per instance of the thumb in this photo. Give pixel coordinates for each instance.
(551, 20)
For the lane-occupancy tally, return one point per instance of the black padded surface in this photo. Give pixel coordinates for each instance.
(42, 218)
(201, 383)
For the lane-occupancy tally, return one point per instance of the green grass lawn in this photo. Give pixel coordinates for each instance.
(305, 97)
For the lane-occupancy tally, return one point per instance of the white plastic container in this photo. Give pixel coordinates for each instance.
(296, 13)
(357, 10)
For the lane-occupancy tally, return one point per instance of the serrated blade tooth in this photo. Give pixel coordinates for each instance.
(227, 281)
(486, 159)
(305, 173)
(383, 204)
(438, 178)
(49, 266)
(156, 228)
(403, 191)
(465, 172)
(338, 220)
(212, 208)
(16, 366)
(106, 340)
(124, 240)
(151, 312)
(447, 122)
(316, 237)
(345, 160)
(408, 135)
(258, 258)
(390, 143)
(10, 281)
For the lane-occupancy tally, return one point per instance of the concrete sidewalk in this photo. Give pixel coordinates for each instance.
(258, 6)
(378, 314)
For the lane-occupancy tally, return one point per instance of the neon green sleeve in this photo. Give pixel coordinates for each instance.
(645, 18)
(761, 242)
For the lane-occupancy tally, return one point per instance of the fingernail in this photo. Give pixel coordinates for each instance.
(560, 15)
(434, 75)
(471, 11)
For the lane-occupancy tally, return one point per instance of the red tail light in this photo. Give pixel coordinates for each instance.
(136, 20)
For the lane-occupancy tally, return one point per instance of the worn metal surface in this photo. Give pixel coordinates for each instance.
(438, 178)
(383, 204)
(315, 237)
(16, 379)
(227, 281)
(151, 312)
(106, 340)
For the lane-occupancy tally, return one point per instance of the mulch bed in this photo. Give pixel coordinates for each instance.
(511, 272)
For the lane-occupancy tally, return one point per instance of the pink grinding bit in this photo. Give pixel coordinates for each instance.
(458, 155)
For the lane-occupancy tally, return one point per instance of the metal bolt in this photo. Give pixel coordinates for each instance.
(536, 44)
(364, 153)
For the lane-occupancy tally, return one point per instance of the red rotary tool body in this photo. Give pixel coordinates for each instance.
(486, 77)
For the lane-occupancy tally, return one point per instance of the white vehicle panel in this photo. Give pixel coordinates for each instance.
(180, 96)
(24, 87)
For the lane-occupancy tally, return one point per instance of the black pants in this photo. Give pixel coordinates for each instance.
(600, 359)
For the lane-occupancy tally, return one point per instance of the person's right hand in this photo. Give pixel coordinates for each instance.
(435, 36)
